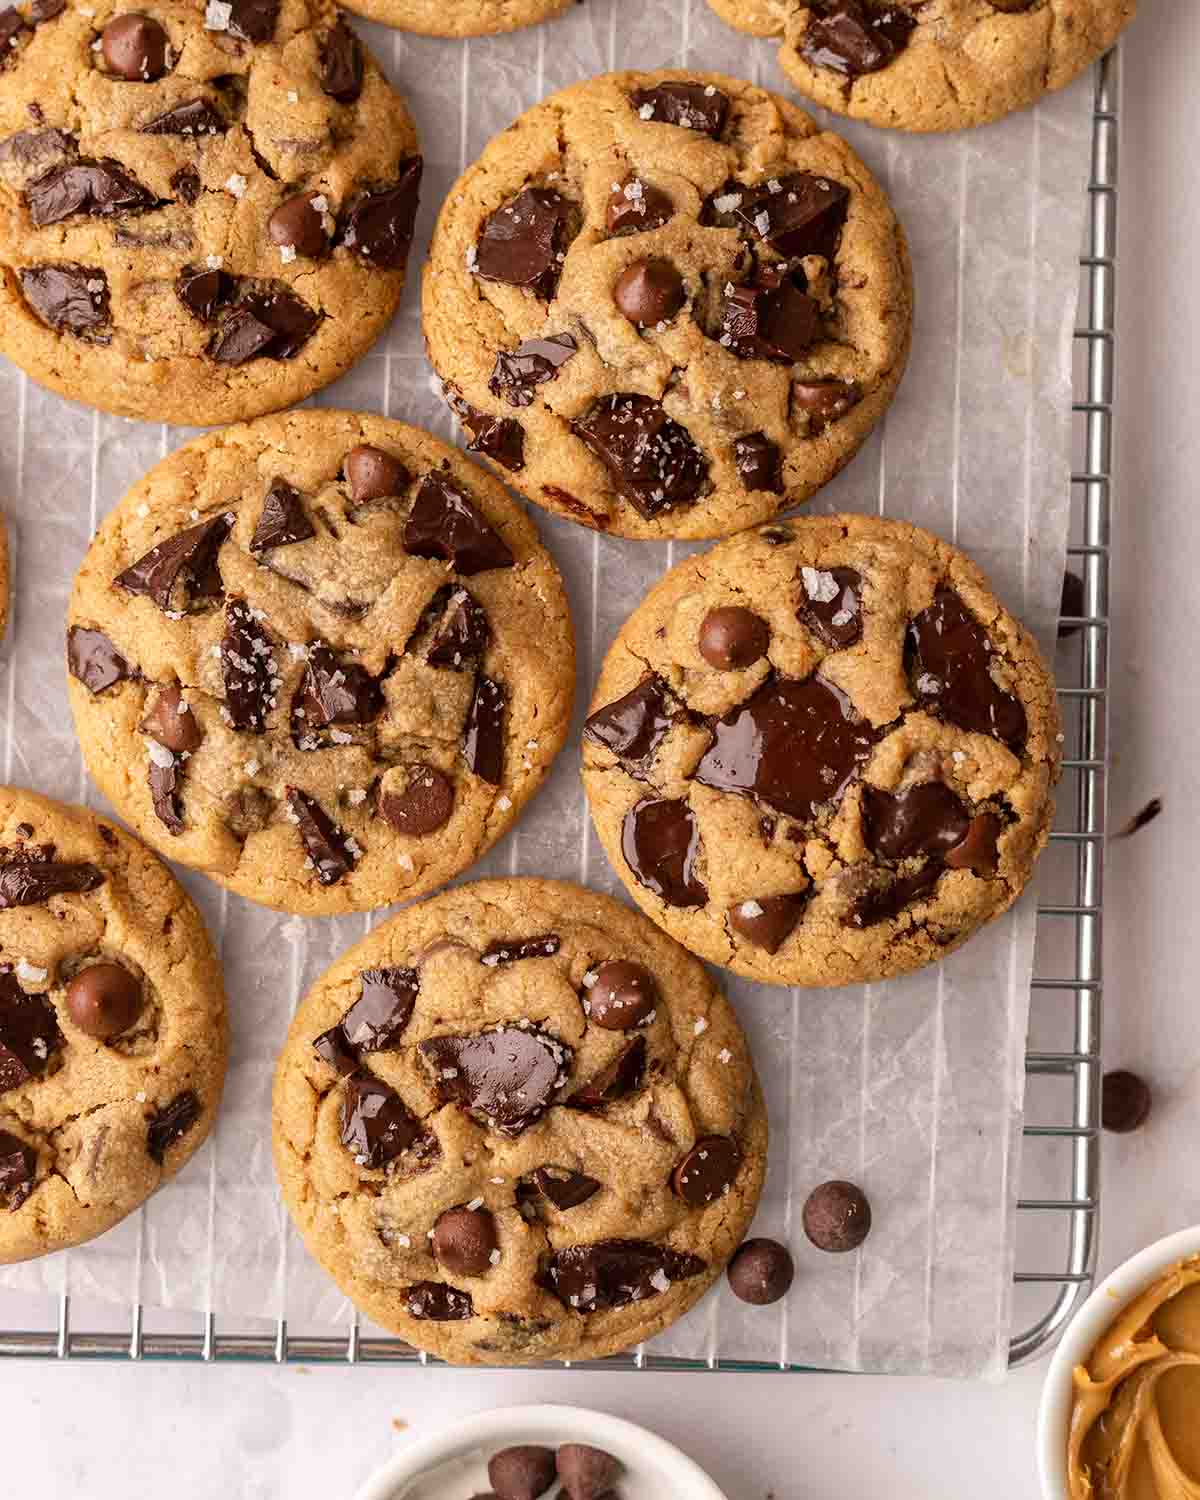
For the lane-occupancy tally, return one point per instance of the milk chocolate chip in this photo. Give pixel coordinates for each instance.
(416, 799)
(649, 292)
(521, 1473)
(622, 995)
(761, 1272)
(135, 47)
(463, 1241)
(298, 224)
(104, 1000)
(732, 638)
(767, 921)
(837, 1216)
(586, 1473)
(171, 722)
(372, 474)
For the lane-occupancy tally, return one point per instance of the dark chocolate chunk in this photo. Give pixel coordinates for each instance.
(204, 293)
(376, 1124)
(694, 106)
(98, 188)
(633, 726)
(586, 1473)
(29, 1034)
(463, 1241)
(372, 474)
(170, 720)
(800, 214)
(618, 1079)
(37, 149)
(329, 850)
(660, 840)
(925, 819)
(18, 1169)
(416, 800)
(377, 1019)
(708, 1171)
(299, 226)
(379, 226)
(767, 921)
(272, 325)
(483, 732)
(341, 63)
(732, 638)
(282, 520)
(949, 659)
(12, 27)
(772, 317)
(436, 1303)
(163, 781)
(1125, 1101)
(516, 950)
(565, 1188)
(521, 242)
(506, 1078)
(649, 292)
(502, 439)
(614, 1273)
(1073, 606)
(254, 20)
(837, 1216)
(761, 1272)
(758, 463)
(518, 371)
(248, 669)
(332, 691)
(93, 659)
(135, 47)
(521, 1473)
(853, 37)
(979, 849)
(68, 298)
(462, 635)
(29, 879)
(824, 401)
(444, 524)
(183, 570)
(633, 205)
(651, 460)
(331, 1047)
(831, 605)
(621, 995)
(881, 901)
(171, 1123)
(104, 1000)
(195, 117)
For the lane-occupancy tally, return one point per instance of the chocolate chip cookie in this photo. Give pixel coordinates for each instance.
(205, 210)
(821, 753)
(932, 64)
(112, 1025)
(667, 304)
(459, 17)
(322, 658)
(518, 1123)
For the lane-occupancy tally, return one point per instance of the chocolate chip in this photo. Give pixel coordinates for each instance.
(521, 242)
(979, 849)
(853, 37)
(634, 206)
(341, 63)
(517, 950)
(761, 1272)
(433, 1302)
(633, 726)
(328, 848)
(519, 371)
(270, 325)
(444, 524)
(772, 317)
(12, 27)
(800, 214)
(949, 659)
(170, 724)
(660, 841)
(204, 293)
(163, 778)
(831, 605)
(483, 732)
(614, 1273)
(521, 1473)
(564, 1188)
(462, 635)
(501, 439)
(282, 520)
(732, 638)
(767, 921)
(98, 188)
(254, 20)
(104, 1000)
(506, 1078)
(694, 106)
(416, 800)
(29, 1034)
(67, 298)
(376, 1125)
(794, 745)
(18, 1168)
(708, 1171)
(248, 669)
(1073, 605)
(299, 226)
(824, 401)
(379, 226)
(882, 900)
(837, 1216)
(93, 659)
(586, 1473)
(37, 149)
(332, 1048)
(377, 1019)
(183, 570)
(651, 460)
(135, 47)
(372, 474)
(649, 292)
(617, 1080)
(332, 691)
(622, 995)
(171, 1123)
(195, 117)
(463, 1241)
(758, 463)
(921, 820)
(1125, 1101)
(29, 879)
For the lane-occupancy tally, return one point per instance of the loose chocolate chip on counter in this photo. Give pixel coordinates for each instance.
(298, 224)
(708, 1171)
(831, 605)
(248, 669)
(254, 20)
(732, 638)
(376, 1126)
(67, 298)
(282, 520)
(949, 657)
(620, 1078)
(204, 293)
(98, 188)
(135, 47)
(519, 371)
(564, 1188)
(341, 63)
(758, 463)
(163, 778)
(171, 722)
(824, 401)
(761, 1272)
(521, 1473)
(505, 1078)
(1125, 1101)
(461, 636)
(171, 1123)
(183, 570)
(772, 317)
(979, 849)
(379, 226)
(694, 106)
(436, 1303)
(28, 879)
(18, 1168)
(651, 459)
(853, 37)
(104, 1000)
(586, 1473)
(333, 855)
(522, 241)
(881, 900)
(332, 691)
(633, 726)
(614, 1273)
(502, 439)
(800, 214)
(444, 524)
(837, 1216)
(416, 799)
(925, 819)
(660, 841)
(633, 205)
(463, 1241)
(195, 117)
(29, 1034)
(93, 659)
(620, 996)
(516, 950)
(649, 292)
(372, 474)
(483, 732)
(767, 921)
(1140, 819)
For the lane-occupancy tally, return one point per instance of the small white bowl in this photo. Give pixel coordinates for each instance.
(652, 1465)
(1113, 1294)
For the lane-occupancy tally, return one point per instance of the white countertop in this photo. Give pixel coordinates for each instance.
(93, 1432)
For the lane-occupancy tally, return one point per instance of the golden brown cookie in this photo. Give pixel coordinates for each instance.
(459, 17)
(321, 657)
(112, 1025)
(205, 210)
(933, 65)
(821, 753)
(518, 1123)
(667, 304)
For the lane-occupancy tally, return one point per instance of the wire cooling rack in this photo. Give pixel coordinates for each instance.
(1057, 1229)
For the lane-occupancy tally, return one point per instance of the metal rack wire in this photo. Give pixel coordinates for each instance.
(1069, 958)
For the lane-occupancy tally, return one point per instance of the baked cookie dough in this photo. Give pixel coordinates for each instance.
(821, 753)
(112, 1025)
(205, 210)
(667, 304)
(322, 658)
(932, 64)
(518, 1123)
(459, 17)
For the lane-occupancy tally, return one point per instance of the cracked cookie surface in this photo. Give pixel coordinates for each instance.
(932, 64)
(821, 753)
(518, 1123)
(112, 1025)
(321, 657)
(666, 304)
(205, 210)
(459, 17)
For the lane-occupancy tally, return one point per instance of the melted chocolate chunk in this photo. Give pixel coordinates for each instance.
(254, 20)
(922, 820)
(434, 1302)
(205, 293)
(331, 1048)
(332, 691)
(621, 995)
(824, 401)
(67, 298)
(506, 1079)
(375, 1022)
(30, 878)
(341, 63)
(794, 745)
(377, 1126)
(772, 318)
(633, 726)
(660, 840)
(282, 520)
(248, 669)
(29, 1034)
(564, 1188)
(98, 188)
(708, 1171)
(516, 950)
(693, 106)
(268, 325)
(614, 1273)
(621, 1077)
(519, 371)
(521, 241)
(93, 659)
(732, 638)
(164, 782)
(483, 732)
(182, 571)
(463, 634)
(502, 439)
(633, 205)
(768, 921)
(171, 1123)
(416, 800)
(949, 658)
(18, 1169)
(444, 524)
(853, 37)
(881, 902)
(379, 227)
(651, 460)
(758, 463)
(979, 849)
(799, 214)
(328, 847)
(196, 117)
(831, 605)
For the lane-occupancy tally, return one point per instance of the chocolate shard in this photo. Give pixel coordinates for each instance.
(881, 901)
(98, 188)
(633, 726)
(377, 1126)
(516, 950)
(332, 691)
(444, 524)
(18, 1169)
(921, 820)
(248, 668)
(435, 1302)
(29, 1034)
(264, 324)
(462, 635)
(330, 852)
(163, 778)
(772, 318)
(693, 106)
(506, 1078)
(614, 1273)
(564, 1188)
(758, 463)
(171, 1123)
(651, 460)
(205, 293)
(483, 732)
(800, 214)
(195, 118)
(254, 20)
(376, 1020)
(660, 841)
(520, 370)
(949, 659)
(502, 439)
(283, 519)
(379, 226)
(68, 298)
(182, 571)
(853, 37)
(831, 605)
(93, 659)
(522, 241)
(341, 63)
(621, 1077)
(28, 879)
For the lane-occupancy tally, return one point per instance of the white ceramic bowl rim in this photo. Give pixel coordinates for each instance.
(1114, 1293)
(551, 1425)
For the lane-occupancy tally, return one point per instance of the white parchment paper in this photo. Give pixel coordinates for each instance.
(913, 1088)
